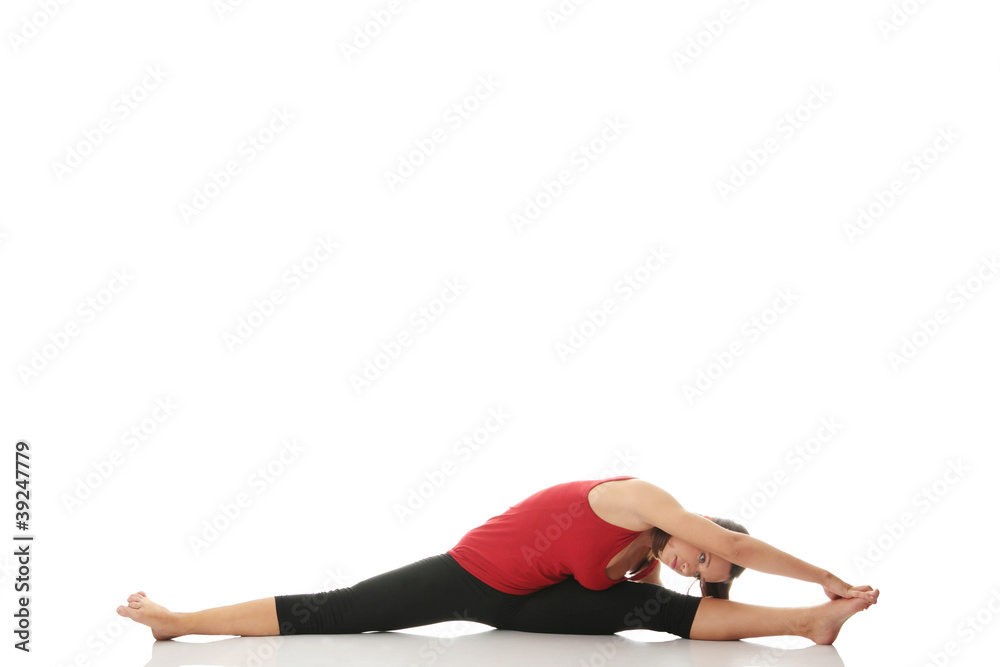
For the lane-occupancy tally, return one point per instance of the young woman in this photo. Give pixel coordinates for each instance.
(576, 558)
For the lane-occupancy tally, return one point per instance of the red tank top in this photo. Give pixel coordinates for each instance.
(545, 538)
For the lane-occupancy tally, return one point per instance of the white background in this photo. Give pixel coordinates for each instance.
(616, 404)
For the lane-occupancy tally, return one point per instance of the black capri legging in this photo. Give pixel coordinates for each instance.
(437, 589)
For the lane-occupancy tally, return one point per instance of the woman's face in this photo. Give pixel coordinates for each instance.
(688, 560)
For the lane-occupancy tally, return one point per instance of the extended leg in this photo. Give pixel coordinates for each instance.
(570, 608)
(429, 591)
(724, 619)
(256, 618)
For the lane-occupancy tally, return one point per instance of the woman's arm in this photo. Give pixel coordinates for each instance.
(658, 508)
(758, 555)
(761, 556)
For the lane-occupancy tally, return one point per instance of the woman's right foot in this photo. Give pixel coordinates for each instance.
(824, 627)
(163, 622)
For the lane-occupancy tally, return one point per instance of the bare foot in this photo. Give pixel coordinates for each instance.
(160, 620)
(825, 626)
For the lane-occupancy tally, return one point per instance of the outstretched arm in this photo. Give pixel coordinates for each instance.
(758, 555)
(656, 507)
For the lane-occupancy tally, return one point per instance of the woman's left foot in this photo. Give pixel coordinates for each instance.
(161, 621)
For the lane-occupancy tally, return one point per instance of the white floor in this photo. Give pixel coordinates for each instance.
(490, 647)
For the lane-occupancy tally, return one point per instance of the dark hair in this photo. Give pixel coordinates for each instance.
(711, 589)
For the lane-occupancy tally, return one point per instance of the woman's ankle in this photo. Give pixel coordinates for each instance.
(804, 622)
(182, 624)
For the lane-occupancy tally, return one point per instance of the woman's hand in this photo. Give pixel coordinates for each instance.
(835, 589)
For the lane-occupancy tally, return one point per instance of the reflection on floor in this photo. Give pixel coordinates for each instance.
(491, 647)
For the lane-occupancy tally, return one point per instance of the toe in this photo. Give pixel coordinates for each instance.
(142, 593)
(134, 604)
(134, 598)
